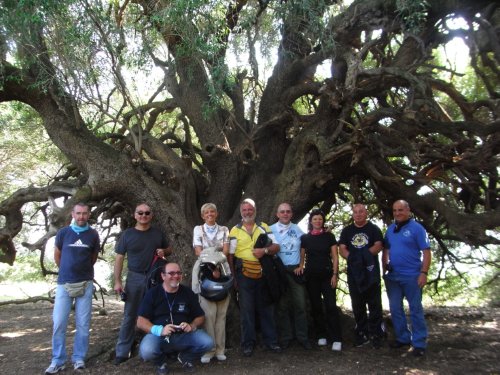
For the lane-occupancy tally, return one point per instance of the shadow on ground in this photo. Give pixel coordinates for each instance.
(462, 341)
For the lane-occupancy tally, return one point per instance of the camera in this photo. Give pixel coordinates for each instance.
(123, 296)
(177, 328)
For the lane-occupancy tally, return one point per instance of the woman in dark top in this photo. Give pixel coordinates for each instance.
(322, 267)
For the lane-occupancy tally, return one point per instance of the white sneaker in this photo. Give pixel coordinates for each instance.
(54, 369)
(337, 346)
(78, 365)
(322, 342)
(221, 357)
(206, 358)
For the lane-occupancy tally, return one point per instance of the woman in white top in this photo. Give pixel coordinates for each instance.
(212, 235)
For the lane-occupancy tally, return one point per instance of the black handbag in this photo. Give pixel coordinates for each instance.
(262, 241)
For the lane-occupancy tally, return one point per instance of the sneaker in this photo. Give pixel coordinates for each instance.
(162, 369)
(322, 342)
(376, 342)
(54, 369)
(361, 340)
(275, 348)
(206, 358)
(285, 344)
(186, 366)
(78, 365)
(418, 352)
(398, 345)
(120, 360)
(306, 345)
(248, 350)
(337, 346)
(221, 357)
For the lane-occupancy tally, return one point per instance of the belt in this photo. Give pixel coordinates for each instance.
(139, 272)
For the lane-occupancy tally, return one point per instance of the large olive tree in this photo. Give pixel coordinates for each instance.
(314, 102)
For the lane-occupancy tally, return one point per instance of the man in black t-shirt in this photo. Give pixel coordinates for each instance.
(360, 244)
(171, 315)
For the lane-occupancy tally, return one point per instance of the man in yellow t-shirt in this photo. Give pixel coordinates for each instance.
(244, 262)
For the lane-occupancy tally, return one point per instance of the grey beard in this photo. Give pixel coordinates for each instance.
(248, 219)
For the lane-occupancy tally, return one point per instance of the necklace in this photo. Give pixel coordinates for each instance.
(170, 305)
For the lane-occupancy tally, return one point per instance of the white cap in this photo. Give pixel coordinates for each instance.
(249, 201)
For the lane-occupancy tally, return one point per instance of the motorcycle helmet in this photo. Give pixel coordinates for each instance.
(214, 289)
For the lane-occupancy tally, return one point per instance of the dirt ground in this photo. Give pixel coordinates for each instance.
(461, 341)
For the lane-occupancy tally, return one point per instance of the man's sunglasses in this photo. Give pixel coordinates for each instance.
(173, 273)
(146, 213)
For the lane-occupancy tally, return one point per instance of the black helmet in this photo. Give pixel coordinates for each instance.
(215, 289)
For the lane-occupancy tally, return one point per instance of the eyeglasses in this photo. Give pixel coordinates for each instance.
(285, 211)
(173, 273)
(145, 213)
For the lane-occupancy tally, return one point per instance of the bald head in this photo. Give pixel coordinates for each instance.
(284, 213)
(401, 210)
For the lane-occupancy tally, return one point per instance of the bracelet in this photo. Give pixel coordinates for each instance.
(193, 327)
(156, 330)
(335, 273)
(425, 273)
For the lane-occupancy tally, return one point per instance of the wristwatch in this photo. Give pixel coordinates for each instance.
(266, 250)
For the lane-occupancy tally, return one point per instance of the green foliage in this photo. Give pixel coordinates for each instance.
(463, 78)
(199, 24)
(105, 54)
(305, 105)
(467, 278)
(109, 257)
(453, 289)
(307, 18)
(26, 268)
(489, 290)
(413, 13)
(27, 156)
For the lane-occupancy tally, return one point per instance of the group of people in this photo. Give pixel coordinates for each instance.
(278, 272)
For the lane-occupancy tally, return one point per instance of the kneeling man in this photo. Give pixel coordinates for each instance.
(171, 315)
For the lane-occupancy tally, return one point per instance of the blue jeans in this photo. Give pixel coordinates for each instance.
(190, 346)
(252, 304)
(399, 287)
(60, 316)
(135, 286)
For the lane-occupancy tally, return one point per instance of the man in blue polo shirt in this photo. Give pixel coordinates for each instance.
(406, 242)
(75, 252)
